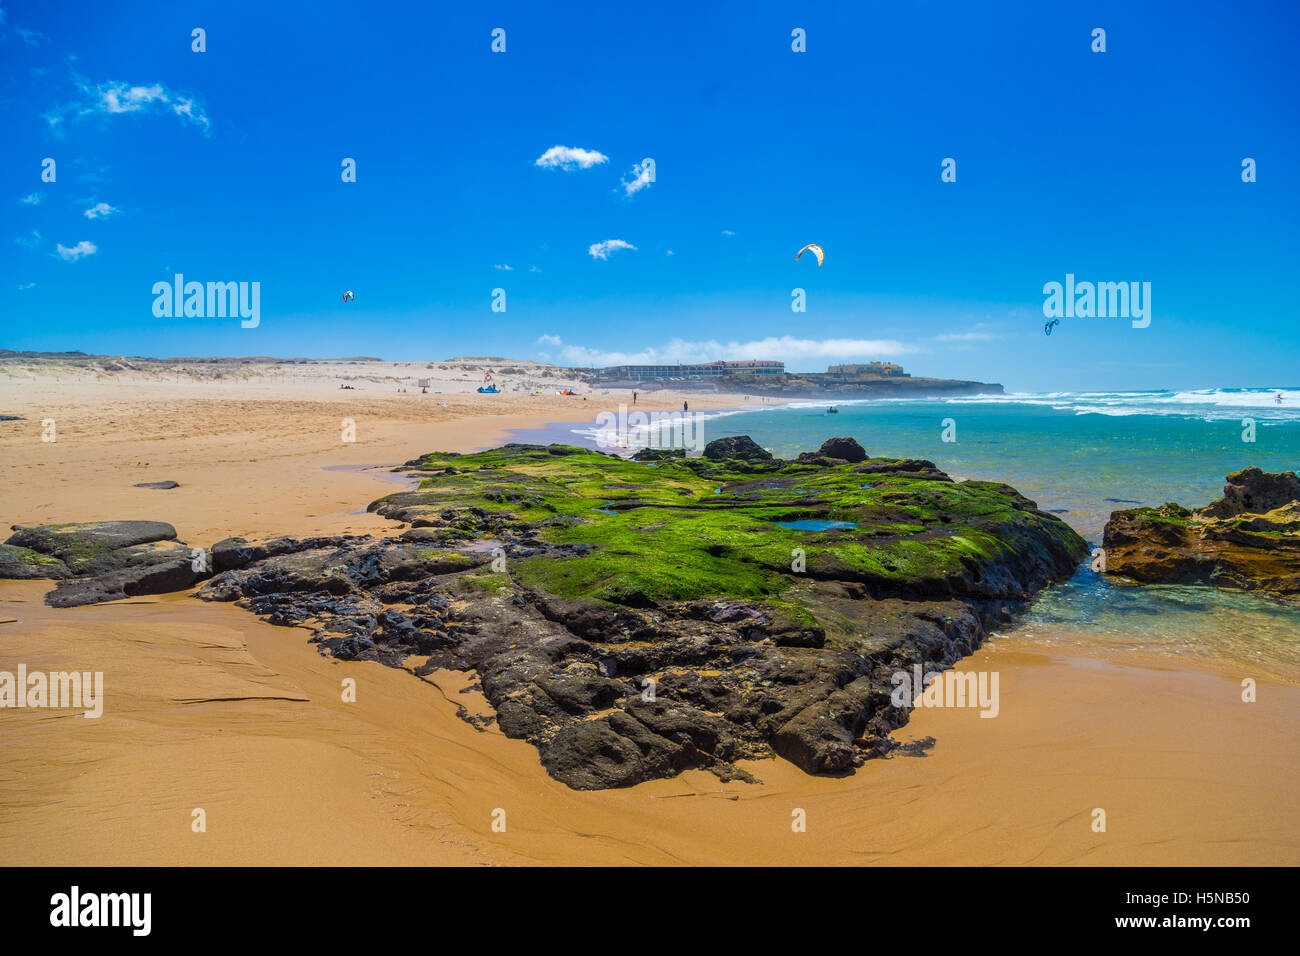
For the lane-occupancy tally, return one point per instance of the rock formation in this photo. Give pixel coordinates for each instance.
(1248, 539)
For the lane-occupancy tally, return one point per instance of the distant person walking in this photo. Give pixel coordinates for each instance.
(634, 398)
(685, 407)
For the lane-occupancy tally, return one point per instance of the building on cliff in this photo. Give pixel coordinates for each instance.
(701, 371)
(869, 370)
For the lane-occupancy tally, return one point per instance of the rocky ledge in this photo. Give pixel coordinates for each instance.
(1248, 539)
(633, 619)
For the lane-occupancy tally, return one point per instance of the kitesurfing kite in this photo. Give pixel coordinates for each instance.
(1047, 326)
(348, 296)
(817, 251)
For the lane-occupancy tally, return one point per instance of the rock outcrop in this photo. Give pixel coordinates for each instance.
(1248, 539)
(845, 449)
(738, 447)
(634, 619)
(101, 560)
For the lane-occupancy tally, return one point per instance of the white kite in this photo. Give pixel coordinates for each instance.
(817, 251)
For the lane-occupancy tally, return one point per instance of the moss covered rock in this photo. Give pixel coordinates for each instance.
(776, 596)
(1248, 540)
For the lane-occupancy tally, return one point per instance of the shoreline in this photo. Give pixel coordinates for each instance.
(202, 696)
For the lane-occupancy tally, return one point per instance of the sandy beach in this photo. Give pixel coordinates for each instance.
(209, 708)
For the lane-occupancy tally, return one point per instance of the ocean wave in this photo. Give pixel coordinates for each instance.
(1207, 404)
(1211, 404)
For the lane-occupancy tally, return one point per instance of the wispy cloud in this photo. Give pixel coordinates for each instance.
(601, 250)
(33, 199)
(786, 348)
(24, 286)
(727, 232)
(30, 37)
(29, 242)
(114, 98)
(504, 268)
(79, 251)
(976, 333)
(642, 176)
(570, 157)
(101, 210)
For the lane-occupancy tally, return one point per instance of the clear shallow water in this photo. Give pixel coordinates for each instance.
(1084, 455)
(1253, 636)
(810, 524)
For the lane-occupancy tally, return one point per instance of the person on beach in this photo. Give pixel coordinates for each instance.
(634, 398)
(685, 407)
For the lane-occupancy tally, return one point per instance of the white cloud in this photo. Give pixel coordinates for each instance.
(671, 253)
(30, 242)
(570, 157)
(114, 98)
(549, 340)
(504, 268)
(966, 337)
(83, 248)
(101, 210)
(32, 199)
(601, 250)
(727, 232)
(534, 269)
(24, 286)
(120, 98)
(641, 175)
(785, 348)
(30, 37)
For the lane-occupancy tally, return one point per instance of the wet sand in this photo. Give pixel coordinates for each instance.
(207, 707)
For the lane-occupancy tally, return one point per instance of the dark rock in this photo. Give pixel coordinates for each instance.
(232, 553)
(103, 560)
(739, 447)
(844, 449)
(82, 546)
(150, 576)
(19, 562)
(160, 485)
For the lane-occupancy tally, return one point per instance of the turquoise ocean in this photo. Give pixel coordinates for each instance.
(1083, 455)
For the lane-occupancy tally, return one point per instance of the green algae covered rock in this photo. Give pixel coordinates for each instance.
(761, 605)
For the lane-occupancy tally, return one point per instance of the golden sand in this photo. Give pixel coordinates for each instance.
(209, 708)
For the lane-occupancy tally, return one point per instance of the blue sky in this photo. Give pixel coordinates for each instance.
(225, 166)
